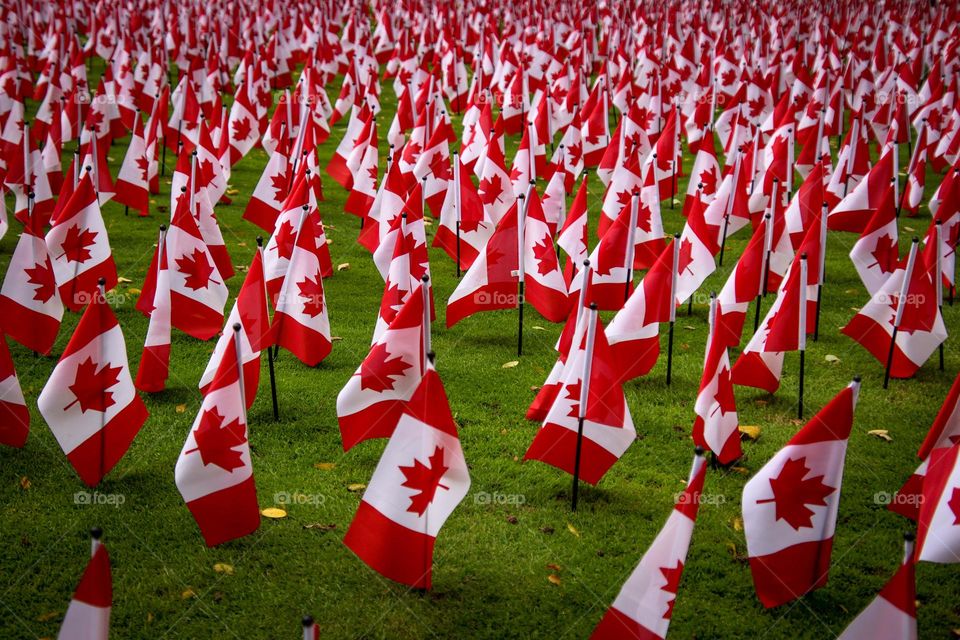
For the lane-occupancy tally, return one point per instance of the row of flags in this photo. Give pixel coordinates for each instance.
(765, 88)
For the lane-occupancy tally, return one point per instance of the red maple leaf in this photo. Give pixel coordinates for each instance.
(685, 259)
(546, 256)
(792, 492)
(490, 189)
(216, 442)
(672, 576)
(756, 107)
(954, 505)
(197, 268)
(425, 480)
(576, 152)
(886, 254)
(76, 245)
(573, 393)
(728, 77)
(311, 291)
(279, 185)
(726, 402)
(144, 165)
(708, 180)
(286, 238)
(241, 129)
(42, 276)
(642, 117)
(90, 386)
(381, 370)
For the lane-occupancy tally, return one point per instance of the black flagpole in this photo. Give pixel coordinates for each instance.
(802, 338)
(520, 222)
(898, 316)
(673, 306)
(270, 352)
(582, 408)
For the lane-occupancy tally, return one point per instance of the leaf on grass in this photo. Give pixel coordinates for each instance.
(188, 593)
(355, 487)
(510, 365)
(760, 402)
(133, 291)
(232, 192)
(883, 434)
(554, 579)
(343, 266)
(741, 470)
(572, 529)
(273, 513)
(122, 280)
(181, 408)
(336, 339)
(749, 431)
(25, 482)
(48, 616)
(910, 229)
(738, 524)
(320, 526)
(554, 567)
(831, 358)
(325, 466)
(224, 568)
(537, 327)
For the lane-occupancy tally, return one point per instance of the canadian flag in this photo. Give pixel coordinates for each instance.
(463, 228)
(705, 176)
(266, 201)
(80, 249)
(14, 416)
(250, 311)
(372, 401)
(88, 616)
(790, 505)
(494, 188)
(362, 164)
(214, 472)
(197, 292)
(944, 433)
(133, 180)
(89, 402)
(356, 137)
(644, 606)
(407, 221)
(938, 532)
(853, 212)
(243, 123)
(573, 234)
(893, 613)
(876, 254)
(716, 425)
(301, 324)
(154, 366)
(607, 426)
(905, 304)
(30, 306)
(544, 286)
(419, 481)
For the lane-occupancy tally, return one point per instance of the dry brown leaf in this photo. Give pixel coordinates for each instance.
(883, 434)
(25, 482)
(325, 466)
(750, 431)
(554, 567)
(320, 526)
(554, 579)
(274, 513)
(741, 470)
(48, 616)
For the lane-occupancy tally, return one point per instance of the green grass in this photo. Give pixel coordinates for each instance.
(491, 567)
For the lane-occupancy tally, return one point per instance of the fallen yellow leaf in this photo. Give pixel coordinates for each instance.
(554, 566)
(355, 487)
(572, 529)
(554, 579)
(510, 365)
(273, 512)
(831, 358)
(188, 593)
(750, 431)
(738, 524)
(122, 280)
(325, 466)
(181, 408)
(883, 434)
(133, 291)
(46, 617)
(343, 266)
(224, 568)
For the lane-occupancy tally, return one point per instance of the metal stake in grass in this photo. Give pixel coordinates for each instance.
(673, 303)
(521, 216)
(901, 301)
(270, 353)
(584, 397)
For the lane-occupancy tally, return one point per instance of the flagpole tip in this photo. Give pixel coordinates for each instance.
(698, 451)
(425, 278)
(183, 189)
(96, 533)
(87, 168)
(909, 536)
(307, 620)
(856, 379)
(237, 326)
(101, 281)
(260, 241)
(593, 306)
(431, 356)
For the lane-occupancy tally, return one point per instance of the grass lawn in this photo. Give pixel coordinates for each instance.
(497, 553)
